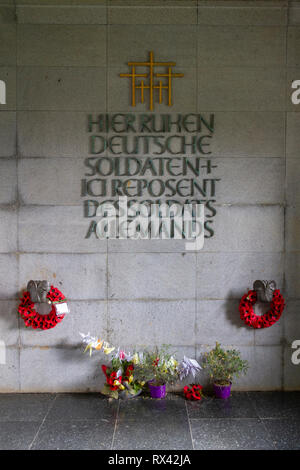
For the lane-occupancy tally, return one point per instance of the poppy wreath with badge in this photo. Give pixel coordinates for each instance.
(261, 321)
(34, 319)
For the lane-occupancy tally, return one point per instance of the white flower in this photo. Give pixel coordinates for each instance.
(188, 366)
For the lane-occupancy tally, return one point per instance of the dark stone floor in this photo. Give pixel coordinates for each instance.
(254, 420)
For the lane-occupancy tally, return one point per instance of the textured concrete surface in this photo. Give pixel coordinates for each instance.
(54, 88)
(60, 61)
(265, 421)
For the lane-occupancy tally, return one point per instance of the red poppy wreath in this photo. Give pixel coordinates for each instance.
(34, 319)
(261, 321)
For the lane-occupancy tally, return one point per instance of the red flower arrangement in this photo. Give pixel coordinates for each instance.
(112, 379)
(119, 378)
(155, 362)
(261, 321)
(32, 318)
(193, 392)
(128, 373)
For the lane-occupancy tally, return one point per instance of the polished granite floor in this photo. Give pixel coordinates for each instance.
(253, 420)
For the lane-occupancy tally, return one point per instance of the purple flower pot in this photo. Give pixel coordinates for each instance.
(157, 391)
(222, 391)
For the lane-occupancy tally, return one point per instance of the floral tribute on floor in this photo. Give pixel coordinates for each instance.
(129, 374)
(193, 392)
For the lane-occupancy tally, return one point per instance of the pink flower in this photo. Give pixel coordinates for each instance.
(122, 355)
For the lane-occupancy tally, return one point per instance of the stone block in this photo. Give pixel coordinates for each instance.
(8, 230)
(261, 180)
(241, 89)
(146, 246)
(176, 44)
(7, 14)
(61, 88)
(151, 13)
(10, 372)
(59, 370)
(233, 232)
(8, 134)
(265, 371)
(61, 45)
(230, 275)
(248, 134)
(80, 3)
(8, 181)
(62, 14)
(291, 318)
(7, 45)
(152, 323)
(292, 181)
(294, 13)
(243, 46)
(242, 12)
(9, 323)
(292, 266)
(293, 46)
(9, 276)
(292, 228)
(55, 181)
(151, 276)
(78, 276)
(293, 135)
(52, 134)
(219, 320)
(56, 229)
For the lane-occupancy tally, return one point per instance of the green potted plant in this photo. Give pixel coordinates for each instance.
(223, 366)
(157, 368)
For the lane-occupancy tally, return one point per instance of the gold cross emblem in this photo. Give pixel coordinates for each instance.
(163, 82)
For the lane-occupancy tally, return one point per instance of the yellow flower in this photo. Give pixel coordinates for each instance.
(99, 345)
(130, 379)
(135, 359)
(107, 349)
(173, 362)
(122, 387)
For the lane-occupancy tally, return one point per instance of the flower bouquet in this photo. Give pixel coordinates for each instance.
(120, 380)
(128, 373)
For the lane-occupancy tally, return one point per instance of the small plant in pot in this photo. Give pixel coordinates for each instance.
(223, 366)
(158, 368)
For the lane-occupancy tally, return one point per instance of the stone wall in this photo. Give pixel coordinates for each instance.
(61, 61)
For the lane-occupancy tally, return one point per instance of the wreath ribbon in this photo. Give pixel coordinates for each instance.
(261, 321)
(34, 319)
